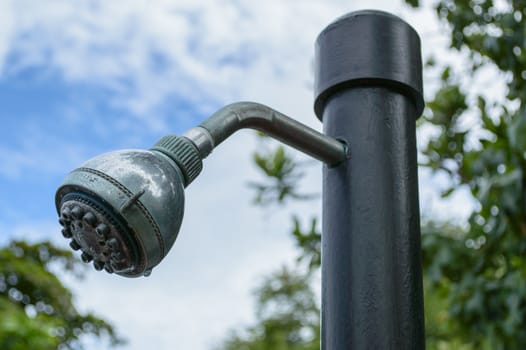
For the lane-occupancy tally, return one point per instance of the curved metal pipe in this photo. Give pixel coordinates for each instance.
(240, 115)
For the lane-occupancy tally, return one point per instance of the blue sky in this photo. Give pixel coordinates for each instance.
(81, 78)
(50, 126)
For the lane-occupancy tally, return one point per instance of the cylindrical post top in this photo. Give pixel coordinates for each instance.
(368, 48)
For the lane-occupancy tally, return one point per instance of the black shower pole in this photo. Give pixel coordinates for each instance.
(369, 93)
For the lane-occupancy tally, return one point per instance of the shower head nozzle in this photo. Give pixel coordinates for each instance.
(123, 209)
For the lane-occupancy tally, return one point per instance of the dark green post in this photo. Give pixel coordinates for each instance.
(369, 94)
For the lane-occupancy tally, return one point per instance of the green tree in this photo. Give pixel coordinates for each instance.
(481, 271)
(36, 309)
(474, 273)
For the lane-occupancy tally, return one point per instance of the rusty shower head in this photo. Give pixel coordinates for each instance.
(123, 209)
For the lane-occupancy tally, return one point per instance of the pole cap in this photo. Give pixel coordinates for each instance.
(368, 48)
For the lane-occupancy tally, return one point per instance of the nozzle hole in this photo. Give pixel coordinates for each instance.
(99, 231)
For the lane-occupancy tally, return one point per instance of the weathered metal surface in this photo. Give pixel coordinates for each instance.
(369, 93)
(123, 210)
(236, 116)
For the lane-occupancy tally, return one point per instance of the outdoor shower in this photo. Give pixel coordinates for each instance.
(123, 209)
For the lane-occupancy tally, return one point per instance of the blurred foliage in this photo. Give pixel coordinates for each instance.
(36, 309)
(282, 174)
(474, 273)
(287, 316)
(480, 271)
(309, 242)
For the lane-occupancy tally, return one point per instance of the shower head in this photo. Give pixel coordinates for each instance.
(123, 209)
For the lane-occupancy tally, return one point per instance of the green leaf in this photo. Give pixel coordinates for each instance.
(413, 3)
(26, 281)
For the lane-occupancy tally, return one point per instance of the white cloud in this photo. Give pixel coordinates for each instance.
(39, 152)
(147, 51)
(6, 29)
